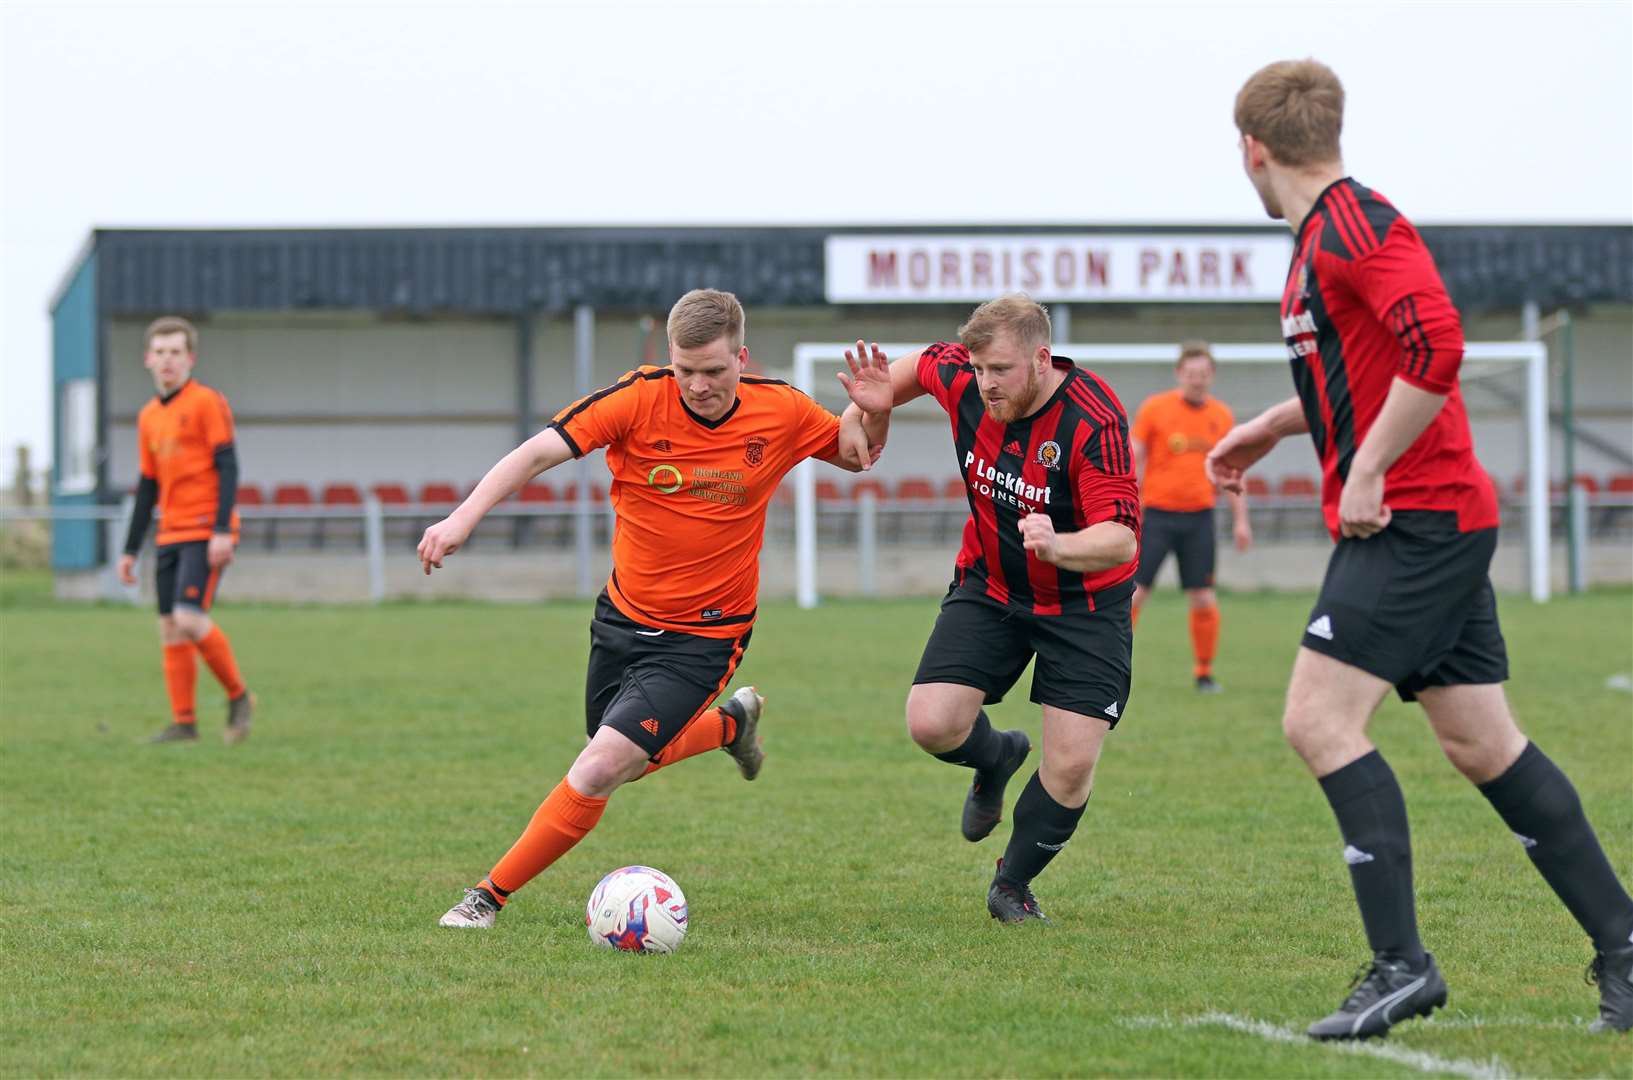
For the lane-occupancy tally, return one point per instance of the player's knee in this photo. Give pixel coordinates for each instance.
(931, 725)
(1302, 726)
(1202, 599)
(597, 773)
(1069, 777)
(191, 624)
(1479, 757)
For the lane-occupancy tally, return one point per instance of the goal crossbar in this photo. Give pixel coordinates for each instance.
(1532, 354)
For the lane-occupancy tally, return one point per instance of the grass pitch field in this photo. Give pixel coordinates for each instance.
(271, 909)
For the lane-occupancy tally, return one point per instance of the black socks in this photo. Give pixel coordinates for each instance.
(1540, 805)
(985, 748)
(1042, 827)
(1371, 816)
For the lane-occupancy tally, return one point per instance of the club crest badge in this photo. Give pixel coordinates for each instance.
(1049, 455)
(754, 450)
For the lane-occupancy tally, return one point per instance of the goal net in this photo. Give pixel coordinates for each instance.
(1504, 386)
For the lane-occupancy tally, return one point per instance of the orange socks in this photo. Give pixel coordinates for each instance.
(1204, 638)
(217, 652)
(562, 820)
(180, 676)
(710, 731)
(566, 817)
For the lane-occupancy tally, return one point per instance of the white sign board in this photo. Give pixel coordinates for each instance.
(1061, 267)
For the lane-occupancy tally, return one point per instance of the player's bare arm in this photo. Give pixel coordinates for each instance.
(1101, 546)
(543, 451)
(1227, 463)
(1407, 412)
(1241, 524)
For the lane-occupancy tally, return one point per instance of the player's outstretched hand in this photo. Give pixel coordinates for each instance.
(440, 541)
(1038, 536)
(1227, 463)
(1361, 509)
(868, 381)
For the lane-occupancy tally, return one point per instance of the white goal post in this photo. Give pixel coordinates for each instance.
(1532, 354)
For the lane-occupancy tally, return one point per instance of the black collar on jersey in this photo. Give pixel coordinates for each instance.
(1298, 241)
(165, 399)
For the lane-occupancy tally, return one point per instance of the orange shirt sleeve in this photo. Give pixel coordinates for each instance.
(605, 416)
(816, 430)
(217, 420)
(1143, 422)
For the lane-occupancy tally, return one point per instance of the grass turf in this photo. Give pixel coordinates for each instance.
(270, 909)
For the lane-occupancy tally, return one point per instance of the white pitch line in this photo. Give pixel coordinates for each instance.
(1415, 1059)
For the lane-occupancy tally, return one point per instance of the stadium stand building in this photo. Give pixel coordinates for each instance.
(406, 361)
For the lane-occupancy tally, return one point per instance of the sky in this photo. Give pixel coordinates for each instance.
(372, 113)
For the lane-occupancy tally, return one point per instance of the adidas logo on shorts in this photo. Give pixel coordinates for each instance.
(650, 724)
(1321, 628)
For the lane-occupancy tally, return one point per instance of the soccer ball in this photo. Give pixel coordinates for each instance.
(637, 909)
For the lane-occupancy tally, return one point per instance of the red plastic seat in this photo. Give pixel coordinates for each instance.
(291, 495)
(342, 495)
(1297, 487)
(439, 495)
(537, 493)
(829, 491)
(1257, 487)
(877, 487)
(1620, 484)
(250, 495)
(953, 488)
(391, 494)
(915, 487)
(569, 494)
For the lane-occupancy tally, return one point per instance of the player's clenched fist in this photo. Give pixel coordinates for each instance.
(1038, 536)
(440, 541)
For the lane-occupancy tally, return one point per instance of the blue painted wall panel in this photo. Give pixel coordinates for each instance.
(74, 544)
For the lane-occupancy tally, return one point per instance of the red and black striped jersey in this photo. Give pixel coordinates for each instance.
(1364, 305)
(1070, 459)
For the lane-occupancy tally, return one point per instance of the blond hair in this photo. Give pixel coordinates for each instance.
(1192, 348)
(704, 316)
(171, 324)
(1017, 315)
(1296, 109)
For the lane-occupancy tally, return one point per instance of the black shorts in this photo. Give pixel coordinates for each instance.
(1084, 659)
(1186, 533)
(649, 684)
(184, 577)
(1413, 605)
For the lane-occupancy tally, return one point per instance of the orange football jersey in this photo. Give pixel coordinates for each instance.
(1177, 437)
(179, 436)
(691, 494)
